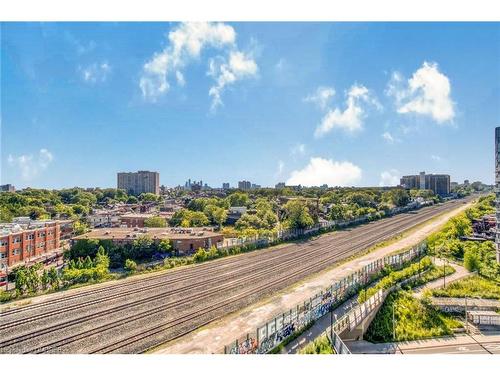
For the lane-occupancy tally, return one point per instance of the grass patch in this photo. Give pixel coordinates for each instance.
(474, 287)
(321, 345)
(414, 319)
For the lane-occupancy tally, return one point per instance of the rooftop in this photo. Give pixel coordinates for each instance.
(23, 223)
(158, 233)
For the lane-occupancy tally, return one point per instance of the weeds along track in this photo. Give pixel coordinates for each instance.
(211, 293)
(190, 277)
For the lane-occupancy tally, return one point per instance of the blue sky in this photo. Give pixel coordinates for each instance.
(337, 103)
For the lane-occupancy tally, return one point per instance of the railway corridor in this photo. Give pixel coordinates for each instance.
(140, 313)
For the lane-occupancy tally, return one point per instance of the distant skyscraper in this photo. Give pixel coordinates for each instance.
(225, 185)
(244, 185)
(497, 189)
(136, 183)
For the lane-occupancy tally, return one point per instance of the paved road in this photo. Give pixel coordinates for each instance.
(462, 344)
(138, 314)
(484, 343)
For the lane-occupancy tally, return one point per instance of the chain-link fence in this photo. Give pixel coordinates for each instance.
(276, 330)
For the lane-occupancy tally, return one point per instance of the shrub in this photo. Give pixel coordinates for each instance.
(130, 265)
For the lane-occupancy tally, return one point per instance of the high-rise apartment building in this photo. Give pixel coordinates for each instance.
(225, 185)
(244, 185)
(7, 187)
(438, 183)
(497, 189)
(136, 183)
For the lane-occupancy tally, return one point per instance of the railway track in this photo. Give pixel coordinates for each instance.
(145, 284)
(193, 276)
(285, 266)
(186, 274)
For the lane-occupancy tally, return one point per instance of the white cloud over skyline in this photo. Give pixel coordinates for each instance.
(427, 92)
(29, 165)
(321, 171)
(390, 178)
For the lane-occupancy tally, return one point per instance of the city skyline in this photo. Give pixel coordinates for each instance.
(264, 102)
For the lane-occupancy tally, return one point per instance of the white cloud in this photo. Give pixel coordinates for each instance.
(30, 166)
(281, 166)
(388, 137)
(321, 171)
(238, 67)
(436, 158)
(351, 118)
(186, 42)
(281, 64)
(389, 178)
(321, 96)
(298, 149)
(95, 73)
(427, 92)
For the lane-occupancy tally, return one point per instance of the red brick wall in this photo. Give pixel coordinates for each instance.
(45, 239)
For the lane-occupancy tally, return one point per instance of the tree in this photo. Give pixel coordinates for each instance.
(249, 221)
(179, 216)
(53, 278)
(132, 200)
(238, 199)
(298, 216)
(142, 242)
(337, 212)
(80, 228)
(398, 197)
(45, 280)
(165, 246)
(155, 222)
(471, 260)
(198, 219)
(148, 197)
(130, 265)
(216, 215)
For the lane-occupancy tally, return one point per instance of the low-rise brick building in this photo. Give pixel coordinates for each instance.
(184, 240)
(25, 240)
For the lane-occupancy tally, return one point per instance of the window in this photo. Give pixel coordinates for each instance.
(17, 240)
(16, 251)
(3, 243)
(3, 255)
(31, 236)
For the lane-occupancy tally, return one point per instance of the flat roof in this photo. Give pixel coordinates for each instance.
(160, 233)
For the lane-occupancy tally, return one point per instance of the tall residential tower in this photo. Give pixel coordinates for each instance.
(136, 183)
